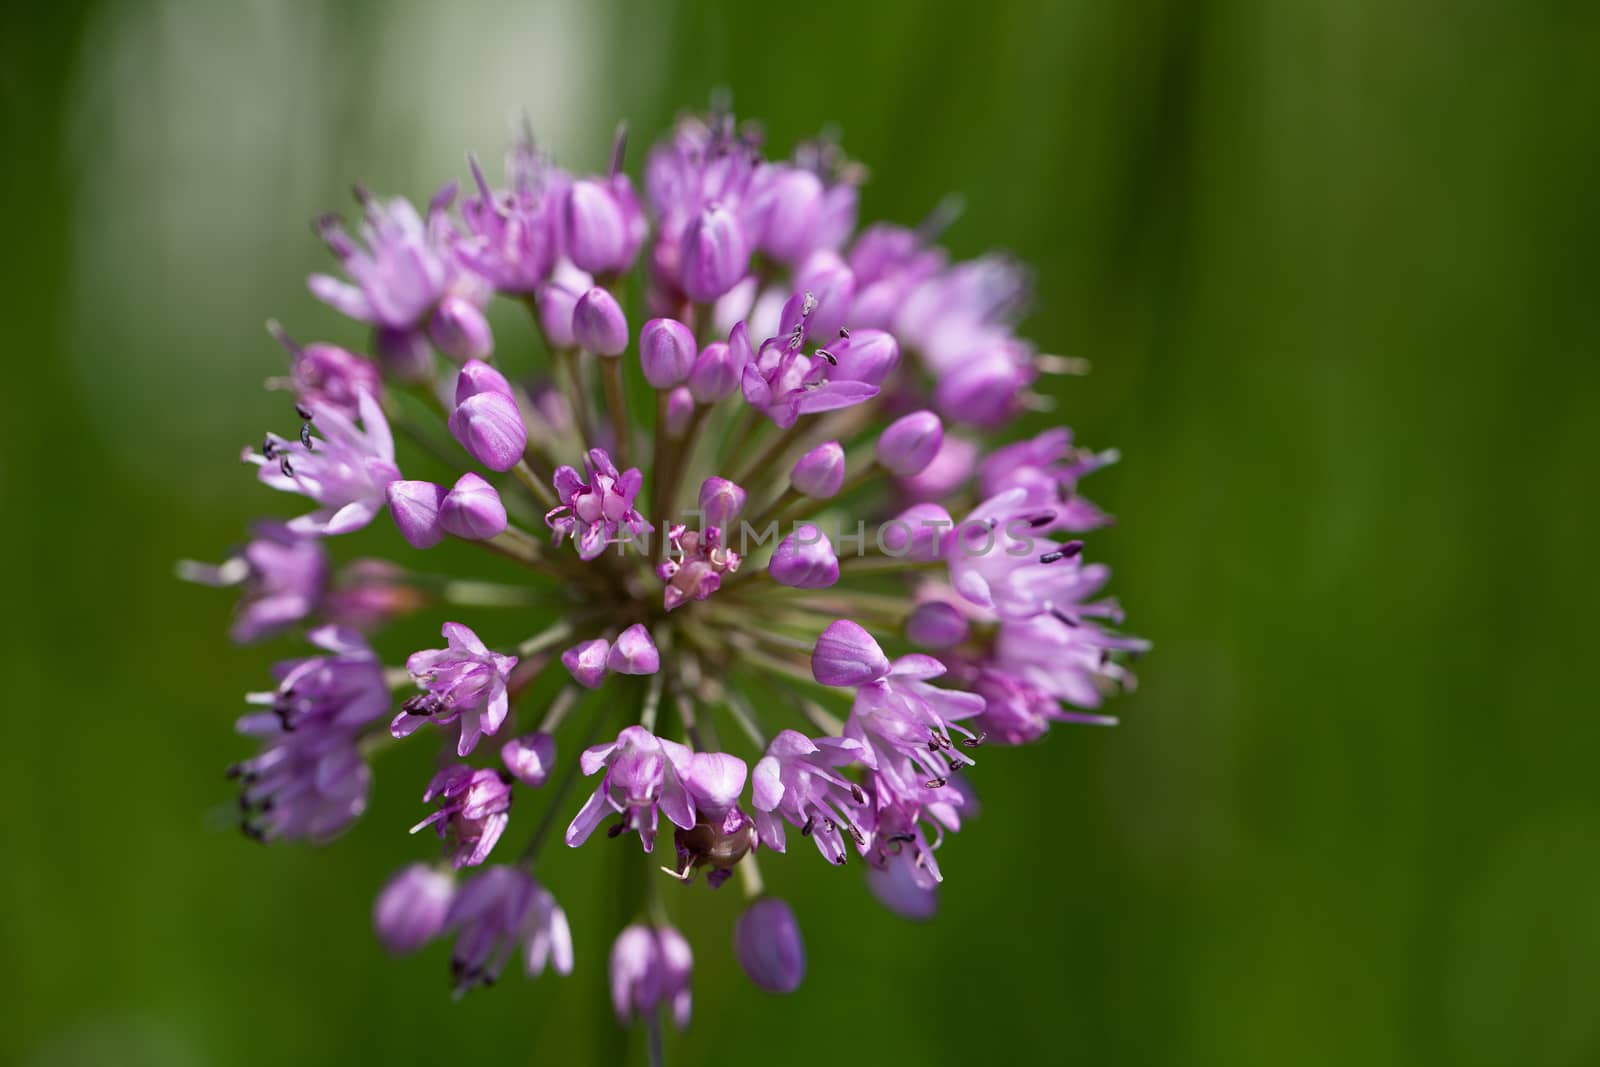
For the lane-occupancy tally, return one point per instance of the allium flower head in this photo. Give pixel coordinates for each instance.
(798, 559)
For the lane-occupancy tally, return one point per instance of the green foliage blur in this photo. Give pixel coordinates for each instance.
(1333, 263)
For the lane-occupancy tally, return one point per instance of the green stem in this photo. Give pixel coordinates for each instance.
(617, 405)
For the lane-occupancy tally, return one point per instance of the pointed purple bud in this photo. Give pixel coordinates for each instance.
(680, 411)
(490, 427)
(666, 352)
(415, 507)
(411, 908)
(404, 355)
(720, 501)
(910, 443)
(530, 758)
(478, 377)
(586, 662)
(846, 655)
(472, 510)
(805, 559)
(767, 941)
(937, 625)
(819, 474)
(865, 356)
(598, 323)
(715, 254)
(634, 652)
(459, 329)
(714, 376)
(595, 227)
(919, 533)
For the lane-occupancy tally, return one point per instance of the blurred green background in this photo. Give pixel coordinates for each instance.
(1334, 264)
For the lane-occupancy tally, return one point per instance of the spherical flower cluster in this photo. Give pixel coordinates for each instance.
(765, 507)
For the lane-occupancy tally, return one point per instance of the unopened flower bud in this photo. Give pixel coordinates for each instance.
(846, 655)
(917, 533)
(720, 501)
(910, 443)
(490, 427)
(472, 510)
(794, 200)
(715, 254)
(596, 227)
(766, 939)
(666, 352)
(865, 356)
(819, 474)
(415, 507)
(459, 329)
(805, 560)
(479, 377)
(598, 323)
(937, 625)
(634, 652)
(586, 662)
(530, 758)
(680, 410)
(410, 909)
(714, 375)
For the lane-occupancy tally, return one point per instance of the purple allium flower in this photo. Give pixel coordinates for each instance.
(800, 781)
(407, 263)
(498, 912)
(282, 578)
(900, 721)
(514, 233)
(464, 681)
(344, 690)
(697, 561)
(595, 512)
(773, 339)
(309, 780)
(650, 967)
(644, 773)
(784, 383)
(1047, 468)
(410, 909)
(303, 785)
(473, 806)
(325, 375)
(345, 471)
(530, 759)
(767, 941)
